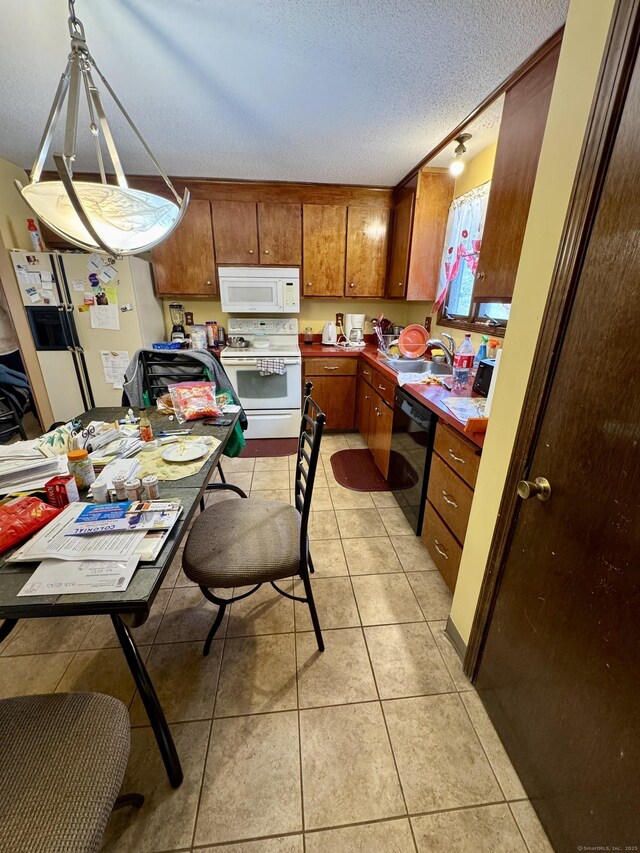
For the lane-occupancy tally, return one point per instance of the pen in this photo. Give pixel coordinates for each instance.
(174, 432)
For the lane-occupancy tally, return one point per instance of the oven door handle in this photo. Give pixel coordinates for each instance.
(251, 362)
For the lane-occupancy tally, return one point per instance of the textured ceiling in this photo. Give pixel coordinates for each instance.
(484, 131)
(353, 91)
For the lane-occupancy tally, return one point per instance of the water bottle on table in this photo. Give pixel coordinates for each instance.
(462, 363)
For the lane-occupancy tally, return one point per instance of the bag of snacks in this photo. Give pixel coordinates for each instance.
(21, 518)
(165, 404)
(194, 400)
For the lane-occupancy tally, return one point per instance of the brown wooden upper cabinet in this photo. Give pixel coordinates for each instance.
(324, 229)
(280, 233)
(524, 117)
(367, 238)
(246, 232)
(184, 263)
(235, 231)
(400, 245)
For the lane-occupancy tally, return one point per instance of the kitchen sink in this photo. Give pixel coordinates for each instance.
(410, 365)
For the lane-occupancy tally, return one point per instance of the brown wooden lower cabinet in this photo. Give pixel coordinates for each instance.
(374, 417)
(363, 408)
(334, 388)
(454, 466)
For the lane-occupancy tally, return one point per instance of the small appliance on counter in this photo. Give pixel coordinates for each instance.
(483, 376)
(354, 328)
(176, 312)
(329, 334)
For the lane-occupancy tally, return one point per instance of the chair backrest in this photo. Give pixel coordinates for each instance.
(311, 427)
(165, 367)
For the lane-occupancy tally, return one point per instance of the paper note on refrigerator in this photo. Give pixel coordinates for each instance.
(78, 284)
(114, 364)
(95, 262)
(105, 317)
(107, 274)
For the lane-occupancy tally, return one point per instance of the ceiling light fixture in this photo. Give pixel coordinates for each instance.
(103, 217)
(457, 164)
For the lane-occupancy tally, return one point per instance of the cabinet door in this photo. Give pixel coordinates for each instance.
(400, 245)
(363, 408)
(324, 230)
(380, 426)
(433, 200)
(367, 236)
(524, 117)
(184, 263)
(235, 231)
(280, 233)
(336, 396)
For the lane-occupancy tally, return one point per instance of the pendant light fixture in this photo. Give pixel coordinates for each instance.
(457, 164)
(96, 216)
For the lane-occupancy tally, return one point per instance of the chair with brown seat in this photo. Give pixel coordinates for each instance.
(253, 541)
(62, 760)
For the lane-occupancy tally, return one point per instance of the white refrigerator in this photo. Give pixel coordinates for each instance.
(87, 318)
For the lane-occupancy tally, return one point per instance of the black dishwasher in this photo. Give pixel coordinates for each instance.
(414, 427)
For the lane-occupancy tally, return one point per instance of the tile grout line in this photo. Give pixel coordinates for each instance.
(515, 820)
(477, 734)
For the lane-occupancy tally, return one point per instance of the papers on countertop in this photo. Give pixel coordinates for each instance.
(53, 543)
(127, 468)
(464, 408)
(423, 379)
(58, 577)
(118, 517)
(24, 473)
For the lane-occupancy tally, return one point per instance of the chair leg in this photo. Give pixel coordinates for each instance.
(221, 472)
(312, 608)
(134, 800)
(312, 568)
(202, 504)
(214, 628)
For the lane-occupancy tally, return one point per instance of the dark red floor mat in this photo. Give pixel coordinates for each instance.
(270, 447)
(356, 470)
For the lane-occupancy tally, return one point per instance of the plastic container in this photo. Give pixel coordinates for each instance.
(198, 337)
(151, 488)
(119, 486)
(133, 489)
(82, 468)
(100, 492)
(493, 348)
(212, 333)
(482, 352)
(462, 363)
(36, 239)
(146, 433)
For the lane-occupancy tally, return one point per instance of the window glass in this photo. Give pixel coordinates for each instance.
(498, 311)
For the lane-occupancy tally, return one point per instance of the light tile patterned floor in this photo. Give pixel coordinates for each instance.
(379, 745)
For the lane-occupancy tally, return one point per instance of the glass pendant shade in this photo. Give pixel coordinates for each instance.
(97, 216)
(128, 221)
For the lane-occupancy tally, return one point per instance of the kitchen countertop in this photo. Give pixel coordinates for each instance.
(429, 395)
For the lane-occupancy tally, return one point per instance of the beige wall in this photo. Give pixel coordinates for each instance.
(13, 211)
(582, 48)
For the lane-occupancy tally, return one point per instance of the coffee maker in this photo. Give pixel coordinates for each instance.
(354, 328)
(176, 312)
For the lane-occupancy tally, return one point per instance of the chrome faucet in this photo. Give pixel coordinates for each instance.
(447, 350)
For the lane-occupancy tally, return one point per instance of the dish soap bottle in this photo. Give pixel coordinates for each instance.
(146, 433)
(462, 363)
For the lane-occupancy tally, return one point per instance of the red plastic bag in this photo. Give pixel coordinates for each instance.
(21, 518)
(193, 400)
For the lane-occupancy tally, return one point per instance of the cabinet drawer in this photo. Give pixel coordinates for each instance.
(458, 453)
(366, 372)
(331, 366)
(442, 545)
(451, 496)
(384, 387)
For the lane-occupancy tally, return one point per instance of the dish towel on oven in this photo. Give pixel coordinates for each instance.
(268, 366)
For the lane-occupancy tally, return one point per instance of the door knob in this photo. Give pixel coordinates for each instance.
(540, 488)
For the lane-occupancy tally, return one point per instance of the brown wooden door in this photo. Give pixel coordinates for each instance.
(235, 230)
(400, 245)
(336, 396)
(380, 427)
(324, 228)
(559, 672)
(367, 236)
(363, 408)
(280, 233)
(524, 117)
(184, 263)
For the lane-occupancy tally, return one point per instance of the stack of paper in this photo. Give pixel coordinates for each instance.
(127, 468)
(24, 473)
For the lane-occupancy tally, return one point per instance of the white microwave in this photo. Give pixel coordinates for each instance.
(259, 290)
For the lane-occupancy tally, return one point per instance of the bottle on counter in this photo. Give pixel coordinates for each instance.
(146, 432)
(493, 348)
(462, 363)
(212, 333)
(81, 467)
(36, 239)
(482, 351)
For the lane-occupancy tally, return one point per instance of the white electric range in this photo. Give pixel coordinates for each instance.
(273, 402)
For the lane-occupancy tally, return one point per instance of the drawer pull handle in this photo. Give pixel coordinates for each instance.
(382, 387)
(456, 458)
(439, 550)
(448, 499)
(326, 367)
